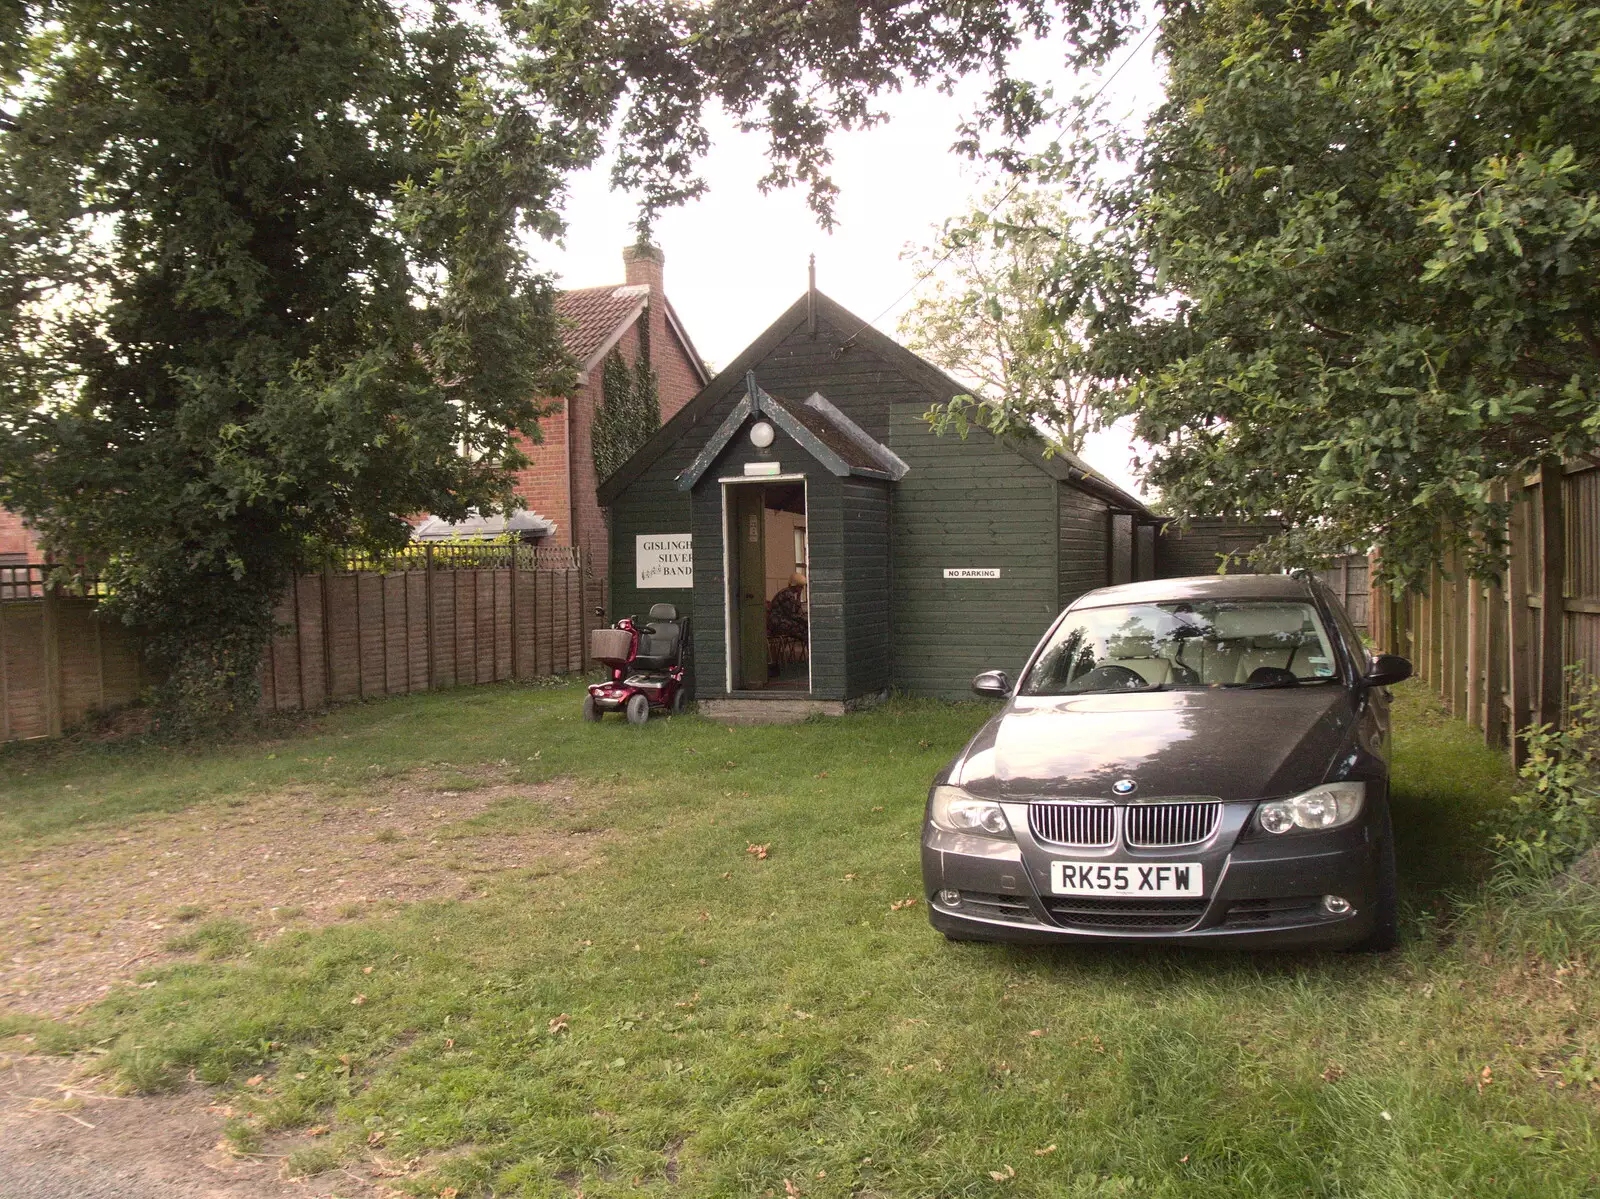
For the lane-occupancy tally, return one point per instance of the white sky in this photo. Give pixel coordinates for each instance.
(735, 259)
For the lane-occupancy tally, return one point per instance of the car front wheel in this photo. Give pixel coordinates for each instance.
(1385, 934)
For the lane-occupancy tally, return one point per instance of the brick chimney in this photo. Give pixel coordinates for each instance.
(646, 264)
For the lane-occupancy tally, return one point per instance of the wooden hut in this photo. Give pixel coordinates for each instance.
(925, 559)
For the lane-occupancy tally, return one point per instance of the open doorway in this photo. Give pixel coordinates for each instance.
(769, 626)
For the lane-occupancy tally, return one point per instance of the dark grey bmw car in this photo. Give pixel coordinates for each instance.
(1199, 760)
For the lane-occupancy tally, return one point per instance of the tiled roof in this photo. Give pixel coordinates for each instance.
(594, 314)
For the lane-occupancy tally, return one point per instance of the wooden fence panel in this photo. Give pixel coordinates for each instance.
(440, 620)
(1497, 651)
(60, 662)
(22, 667)
(1350, 579)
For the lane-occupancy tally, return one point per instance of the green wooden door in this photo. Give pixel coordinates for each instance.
(750, 572)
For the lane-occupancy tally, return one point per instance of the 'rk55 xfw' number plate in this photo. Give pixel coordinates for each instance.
(1161, 880)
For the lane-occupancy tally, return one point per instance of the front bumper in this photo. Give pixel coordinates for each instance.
(1260, 891)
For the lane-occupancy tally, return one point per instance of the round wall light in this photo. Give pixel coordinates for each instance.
(761, 434)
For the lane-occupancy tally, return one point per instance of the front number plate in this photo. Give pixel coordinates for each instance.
(1154, 881)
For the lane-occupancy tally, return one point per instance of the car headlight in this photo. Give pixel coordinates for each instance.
(1327, 806)
(957, 812)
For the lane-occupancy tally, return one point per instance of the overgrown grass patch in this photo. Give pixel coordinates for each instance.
(686, 1017)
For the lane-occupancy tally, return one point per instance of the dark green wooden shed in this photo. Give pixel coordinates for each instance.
(925, 559)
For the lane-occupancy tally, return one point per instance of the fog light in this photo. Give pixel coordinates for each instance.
(950, 899)
(1336, 905)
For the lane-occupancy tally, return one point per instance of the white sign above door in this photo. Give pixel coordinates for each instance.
(972, 572)
(663, 560)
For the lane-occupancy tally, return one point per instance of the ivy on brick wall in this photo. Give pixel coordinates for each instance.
(629, 410)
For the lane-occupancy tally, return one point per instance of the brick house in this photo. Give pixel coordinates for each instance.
(17, 543)
(559, 484)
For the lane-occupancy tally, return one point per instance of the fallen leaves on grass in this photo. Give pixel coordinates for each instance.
(1333, 1073)
(901, 905)
(558, 1024)
(1005, 1175)
(789, 1189)
(1049, 1149)
(1485, 1078)
(317, 1130)
(358, 1000)
(761, 852)
(1036, 1032)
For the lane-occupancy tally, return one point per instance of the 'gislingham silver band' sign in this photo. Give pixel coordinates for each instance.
(972, 572)
(663, 560)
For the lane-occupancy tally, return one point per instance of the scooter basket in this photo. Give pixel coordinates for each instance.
(610, 646)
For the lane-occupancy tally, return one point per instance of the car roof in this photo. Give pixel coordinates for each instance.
(1193, 587)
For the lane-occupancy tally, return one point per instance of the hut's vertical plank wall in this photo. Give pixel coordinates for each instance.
(1497, 651)
(458, 616)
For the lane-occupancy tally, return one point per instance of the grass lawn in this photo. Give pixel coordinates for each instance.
(685, 1016)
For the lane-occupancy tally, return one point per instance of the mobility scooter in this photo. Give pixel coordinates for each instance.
(646, 661)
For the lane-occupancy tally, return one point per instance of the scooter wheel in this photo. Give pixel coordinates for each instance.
(680, 702)
(591, 710)
(638, 709)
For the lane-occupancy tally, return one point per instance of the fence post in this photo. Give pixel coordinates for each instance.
(51, 635)
(326, 595)
(1475, 696)
(1461, 684)
(1519, 616)
(1494, 672)
(516, 641)
(1552, 582)
(427, 596)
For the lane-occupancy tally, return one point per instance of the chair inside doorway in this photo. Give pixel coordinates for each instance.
(774, 610)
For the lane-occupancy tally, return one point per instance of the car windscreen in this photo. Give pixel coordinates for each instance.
(1143, 647)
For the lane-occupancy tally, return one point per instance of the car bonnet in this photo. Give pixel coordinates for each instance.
(1228, 743)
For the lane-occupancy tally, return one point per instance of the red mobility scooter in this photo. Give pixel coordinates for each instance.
(646, 661)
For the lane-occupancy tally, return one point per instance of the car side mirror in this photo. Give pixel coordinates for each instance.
(993, 684)
(1386, 669)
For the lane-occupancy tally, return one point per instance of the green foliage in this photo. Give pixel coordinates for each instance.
(1555, 817)
(982, 318)
(629, 410)
(1349, 276)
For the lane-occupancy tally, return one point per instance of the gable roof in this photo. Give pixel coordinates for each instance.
(597, 317)
(1062, 465)
(827, 434)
